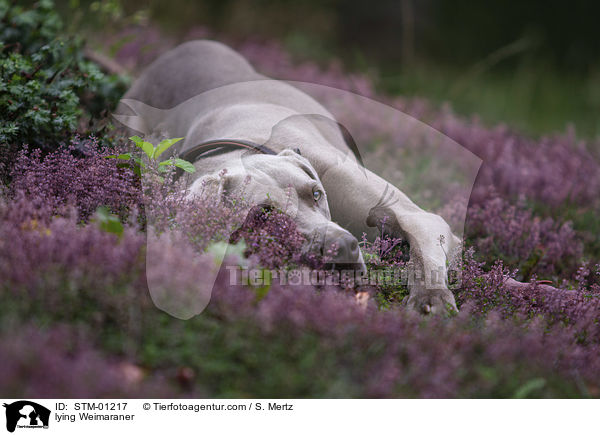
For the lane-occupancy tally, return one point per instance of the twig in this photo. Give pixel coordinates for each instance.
(107, 64)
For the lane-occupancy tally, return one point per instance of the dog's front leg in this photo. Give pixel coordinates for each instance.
(361, 202)
(431, 241)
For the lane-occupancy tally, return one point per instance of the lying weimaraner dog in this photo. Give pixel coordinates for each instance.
(235, 119)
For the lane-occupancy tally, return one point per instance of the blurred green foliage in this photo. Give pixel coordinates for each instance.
(533, 98)
(531, 64)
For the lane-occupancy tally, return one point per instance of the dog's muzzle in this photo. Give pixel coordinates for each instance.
(342, 251)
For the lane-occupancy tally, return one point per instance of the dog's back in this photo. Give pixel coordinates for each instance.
(189, 70)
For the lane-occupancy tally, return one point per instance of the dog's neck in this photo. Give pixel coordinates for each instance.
(220, 146)
(214, 148)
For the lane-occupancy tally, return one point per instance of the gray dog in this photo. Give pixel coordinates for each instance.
(236, 119)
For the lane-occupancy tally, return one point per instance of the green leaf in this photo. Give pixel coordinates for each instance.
(529, 387)
(136, 139)
(162, 166)
(219, 249)
(108, 222)
(185, 165)
(148, 148)
(125, 156)
(263, 290)
(102, 212)
(138, 161)
(165, 145)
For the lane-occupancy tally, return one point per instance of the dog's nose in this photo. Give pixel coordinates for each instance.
(347, 253)
(347, 248)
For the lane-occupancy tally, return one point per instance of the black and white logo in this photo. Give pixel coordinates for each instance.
(26, 414)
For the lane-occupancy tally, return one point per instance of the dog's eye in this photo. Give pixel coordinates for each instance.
(317, 195)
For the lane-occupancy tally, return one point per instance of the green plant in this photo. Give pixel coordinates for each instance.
(153, 153)
(47, 87)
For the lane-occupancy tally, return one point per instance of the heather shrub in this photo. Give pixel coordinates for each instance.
(484, 291)
(531, 244)
(572, 311)
(294, 342)
(54, 265)
(202, 219)
(61, 362)
(271, 236)
(272, 241)
(79, 175)
(556, 170)
(297, 342)
(387, 254)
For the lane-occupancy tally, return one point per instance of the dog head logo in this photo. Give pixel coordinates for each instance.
(26, 414)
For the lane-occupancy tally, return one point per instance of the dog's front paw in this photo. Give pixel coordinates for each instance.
(431, 301)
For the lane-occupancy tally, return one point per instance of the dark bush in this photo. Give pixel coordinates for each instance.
(47, 87)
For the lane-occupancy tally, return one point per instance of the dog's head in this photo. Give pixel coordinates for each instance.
(287, 182)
